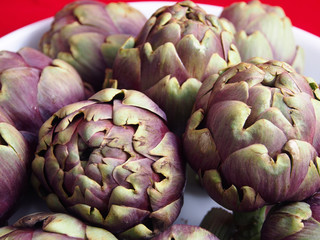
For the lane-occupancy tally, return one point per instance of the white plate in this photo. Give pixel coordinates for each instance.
(196, 201)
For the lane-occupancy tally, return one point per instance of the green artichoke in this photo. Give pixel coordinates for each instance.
(33, 87)
(178, 47)
(87, 35)
(264, 31)
(55, 226)
(185, 232)
(15, 158)
(254, 135)
(293, 221)
(112, 161)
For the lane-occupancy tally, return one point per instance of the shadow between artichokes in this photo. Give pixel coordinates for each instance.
(178, 47)
(253, 137)
(112, 161)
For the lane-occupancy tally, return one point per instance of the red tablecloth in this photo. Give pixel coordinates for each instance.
(18, 13)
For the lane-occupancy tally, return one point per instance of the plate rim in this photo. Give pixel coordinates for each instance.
(49, 19)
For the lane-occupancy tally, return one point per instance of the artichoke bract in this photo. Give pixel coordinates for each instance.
(178, 47)
(253, 137)
(264, 31)
(87, 35)
(293, 221)
(112, 161)
(185, 232)
(53, 226)
(15, 158)
(33, 87)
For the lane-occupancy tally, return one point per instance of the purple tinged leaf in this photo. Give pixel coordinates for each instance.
(111, 47)
(94, 15)
(168, 33)
(167, 62)
(127, 58)
(178, 98)
(191, 52)
(10, 59)
(34, 58)
(55, 90)
(124, 217)
(15, 160)
(126, 19)
(19, 97)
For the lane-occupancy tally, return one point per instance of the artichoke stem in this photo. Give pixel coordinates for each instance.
(248, 224)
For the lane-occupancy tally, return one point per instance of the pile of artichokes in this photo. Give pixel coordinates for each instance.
(104, 120)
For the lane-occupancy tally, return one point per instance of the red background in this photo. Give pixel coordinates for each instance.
(18, 13)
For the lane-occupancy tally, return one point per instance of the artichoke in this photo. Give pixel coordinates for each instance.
(185, 232)
(15, 156)
(253, 137)
(33, 87)
(53, 226)
(87, 34)
(112, 161)
(178, 47)
(264, 31)
(293, 221)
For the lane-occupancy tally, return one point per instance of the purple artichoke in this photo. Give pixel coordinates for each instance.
(57, 226)
(33, 87)
(15, 156)
(185, 232)
(293, 221)
(87, 35)
(254, 136)
(264, 31)
(178, 47)
(112, 161)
